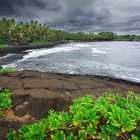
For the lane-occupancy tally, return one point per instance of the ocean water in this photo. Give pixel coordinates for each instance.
(112, 59)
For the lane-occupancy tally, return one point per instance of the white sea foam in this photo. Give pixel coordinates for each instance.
(60, 49)
(6, 56)
(95, 51)
(12, 65)
(81, 45)
(42, 52)
(121, 72)
(30, 50)
(80, 64)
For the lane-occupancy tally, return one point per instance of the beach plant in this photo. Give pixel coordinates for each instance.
(109, 117)
(7, 70)
(2, 46)
(5, 100)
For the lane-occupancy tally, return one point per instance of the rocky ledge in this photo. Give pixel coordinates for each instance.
(35, 93)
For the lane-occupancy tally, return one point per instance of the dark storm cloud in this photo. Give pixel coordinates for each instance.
(78, 15)
(11, 7)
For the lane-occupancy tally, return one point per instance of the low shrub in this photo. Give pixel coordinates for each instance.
(5, 101)
(109, 117)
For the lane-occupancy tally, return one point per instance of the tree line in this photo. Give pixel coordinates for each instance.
(20, 33)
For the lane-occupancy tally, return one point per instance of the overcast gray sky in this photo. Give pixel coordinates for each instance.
(121, 16)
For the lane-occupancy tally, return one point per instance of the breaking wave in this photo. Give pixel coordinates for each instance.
(98, 58)
(6, 56)
(95, 51)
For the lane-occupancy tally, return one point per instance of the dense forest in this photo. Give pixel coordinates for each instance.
(20, 33)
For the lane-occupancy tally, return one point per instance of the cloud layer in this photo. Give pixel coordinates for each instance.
(121, 16)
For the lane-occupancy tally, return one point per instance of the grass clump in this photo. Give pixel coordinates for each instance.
(2, 46)
(7, 70)
(110, 117)
(5, 101)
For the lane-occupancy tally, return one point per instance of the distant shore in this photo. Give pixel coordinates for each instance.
(20, 48)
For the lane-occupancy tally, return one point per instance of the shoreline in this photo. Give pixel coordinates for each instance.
(36, 75)
(92, 77)
(20, 48)
(112, 79)
(105, 78)
(39, 88)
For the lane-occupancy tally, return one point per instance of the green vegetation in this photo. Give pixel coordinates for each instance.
(5, 101)
(2, 46)
(7, 70)
(34, 32)
(110, 117)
